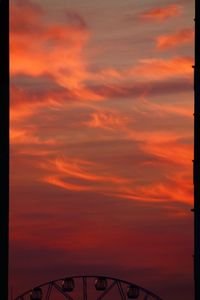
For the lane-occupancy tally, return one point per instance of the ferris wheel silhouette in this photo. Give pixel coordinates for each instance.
(88, 287)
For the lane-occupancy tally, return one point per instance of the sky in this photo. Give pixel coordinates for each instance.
(102, 142)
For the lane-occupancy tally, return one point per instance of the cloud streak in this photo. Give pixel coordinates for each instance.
(161, 14)
(179, 38)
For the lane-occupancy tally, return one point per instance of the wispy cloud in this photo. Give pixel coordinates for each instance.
(160, 69)
(76, 175)
(29, 137)
(167, 41)
(107, 120)
(161, 14)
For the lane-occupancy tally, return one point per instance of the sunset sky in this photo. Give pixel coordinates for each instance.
(102, 142)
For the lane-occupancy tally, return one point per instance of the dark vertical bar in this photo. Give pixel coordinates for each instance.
(197, 152)
(4, 146)
(85, 288)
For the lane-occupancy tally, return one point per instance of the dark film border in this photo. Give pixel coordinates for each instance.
(4, 146)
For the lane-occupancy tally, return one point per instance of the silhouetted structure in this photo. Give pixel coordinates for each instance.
(84, 285)
(4, 148)
(197, 152)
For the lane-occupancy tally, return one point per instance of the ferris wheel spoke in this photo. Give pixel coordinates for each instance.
(67, 296)
(121, 291)
(107, 291)
(84, 288)
(49, 291)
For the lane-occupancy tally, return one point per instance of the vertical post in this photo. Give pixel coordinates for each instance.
(4, 146)
(197, 152)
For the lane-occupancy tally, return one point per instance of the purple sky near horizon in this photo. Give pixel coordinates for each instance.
(102, 142)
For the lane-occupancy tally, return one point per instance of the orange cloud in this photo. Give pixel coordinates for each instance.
(64, 59)
(107, 120)
(178, 183)
(78, 175)
(159, 69)
(170, 150)
(54, 180)
(176, 187)
(165, 109)
(53, 56)
(58, 49)
(22, 136)
(55, 48)
(162, 13)
(80, 169)
(167, 41)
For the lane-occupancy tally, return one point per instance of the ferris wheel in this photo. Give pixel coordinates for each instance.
(86, 288)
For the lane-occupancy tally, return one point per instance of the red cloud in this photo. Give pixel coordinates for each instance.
(173, 40)
(161, 13)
